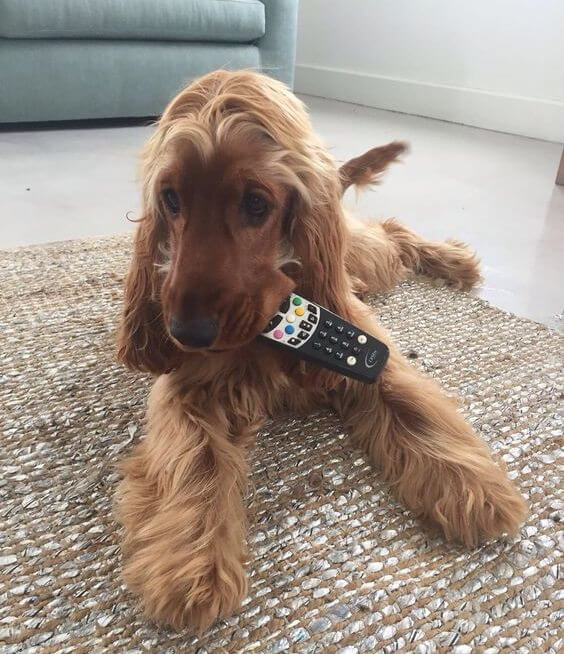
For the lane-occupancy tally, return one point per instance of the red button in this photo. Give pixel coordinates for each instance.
(278, 333)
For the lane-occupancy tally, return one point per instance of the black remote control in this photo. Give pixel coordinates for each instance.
(318, 335)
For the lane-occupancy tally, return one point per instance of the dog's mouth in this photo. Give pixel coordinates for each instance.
(220, 348)
(235, 325)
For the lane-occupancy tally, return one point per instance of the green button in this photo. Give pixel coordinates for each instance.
(297, 301)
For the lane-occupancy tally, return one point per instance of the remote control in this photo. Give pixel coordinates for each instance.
(318, 335)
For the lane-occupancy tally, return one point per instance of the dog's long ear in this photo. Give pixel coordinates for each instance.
(318, 238)
(142, 341)
(318, 235)
(366, 169)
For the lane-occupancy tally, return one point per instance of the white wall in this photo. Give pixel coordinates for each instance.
(497, 64)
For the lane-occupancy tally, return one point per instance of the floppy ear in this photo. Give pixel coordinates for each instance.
(142, 341)
(318, 235)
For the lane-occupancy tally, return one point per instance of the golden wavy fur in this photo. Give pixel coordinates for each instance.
(208, 252)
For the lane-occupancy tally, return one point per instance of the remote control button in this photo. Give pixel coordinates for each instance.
(303, 334)
(339, 329)
(312, 319)
(328, 323)
(351, 361)
(294, 341)
(300, 311)
(334, 339)
(289, 329)
(356, 350)
(312, 308)
(345, 345)
(291, 318)
(278, 334)
(328, 350)
(297, 301)
(351, 333)
(362, 339)
(285, 305)
(339, 355)
(317, 345)
(274, 322)
(306, 325)
(322, 333)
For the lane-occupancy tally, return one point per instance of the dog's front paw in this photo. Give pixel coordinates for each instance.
(193, 594)
(186, 567)
(473, 509)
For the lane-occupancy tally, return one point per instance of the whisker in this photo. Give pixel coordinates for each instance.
(133, 220)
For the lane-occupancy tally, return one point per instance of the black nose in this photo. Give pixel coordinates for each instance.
(194, 333)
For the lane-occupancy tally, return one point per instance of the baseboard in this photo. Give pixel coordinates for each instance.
(543, 119)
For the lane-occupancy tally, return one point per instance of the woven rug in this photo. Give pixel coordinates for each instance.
(339, 565)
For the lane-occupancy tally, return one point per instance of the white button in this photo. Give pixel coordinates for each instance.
(290, 317)
(351, 361)
(362, 339)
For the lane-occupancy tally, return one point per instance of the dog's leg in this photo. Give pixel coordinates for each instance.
(426, 451)
(181, 504)
(381, 254)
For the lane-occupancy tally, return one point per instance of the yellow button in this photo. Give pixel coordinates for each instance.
(300, 311)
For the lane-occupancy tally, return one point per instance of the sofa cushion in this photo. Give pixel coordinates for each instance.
(107, 79)
(237, 21)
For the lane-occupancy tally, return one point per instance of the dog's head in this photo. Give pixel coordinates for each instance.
(241, 206)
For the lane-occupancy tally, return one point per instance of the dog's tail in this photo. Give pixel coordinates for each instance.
(379, 254)
(367, 169)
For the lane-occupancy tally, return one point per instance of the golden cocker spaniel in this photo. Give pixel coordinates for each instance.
(241, 206)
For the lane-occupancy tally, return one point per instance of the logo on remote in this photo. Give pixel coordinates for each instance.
(372, 359)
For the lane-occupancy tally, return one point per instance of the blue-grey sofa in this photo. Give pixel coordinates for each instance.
(82, 59)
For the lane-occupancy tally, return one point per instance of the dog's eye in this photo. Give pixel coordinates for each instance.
(256, 208)
(171, 200)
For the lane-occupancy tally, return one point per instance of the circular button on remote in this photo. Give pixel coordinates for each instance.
(291, 318)
(351, 361)
(297, 301)
(278, 334)
(300, 311)
(289, 329)
(362, 339)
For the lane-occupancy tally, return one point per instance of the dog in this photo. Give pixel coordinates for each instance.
(241, 206)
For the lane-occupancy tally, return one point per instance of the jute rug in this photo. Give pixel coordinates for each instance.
(339, 566)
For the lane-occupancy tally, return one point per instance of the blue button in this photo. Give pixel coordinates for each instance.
(289, 329)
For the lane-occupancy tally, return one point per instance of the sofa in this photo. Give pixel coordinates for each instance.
(92, 59)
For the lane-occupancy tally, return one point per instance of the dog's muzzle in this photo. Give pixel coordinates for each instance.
(194, 333)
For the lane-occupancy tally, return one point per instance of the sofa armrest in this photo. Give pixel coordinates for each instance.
(278, 45)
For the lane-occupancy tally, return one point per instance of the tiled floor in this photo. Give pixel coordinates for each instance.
(495, 191)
